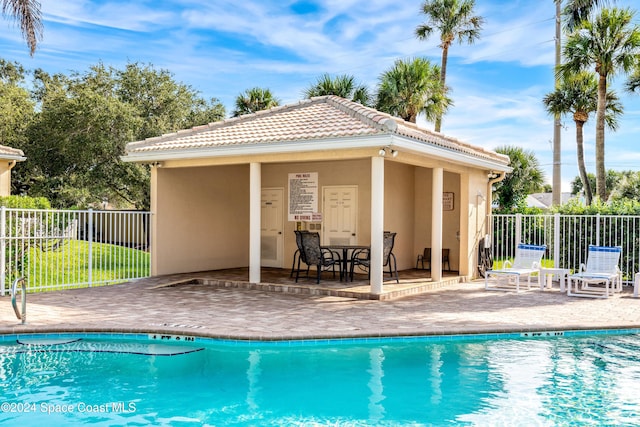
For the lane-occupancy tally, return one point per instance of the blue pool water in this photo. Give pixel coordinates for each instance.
(86, 380)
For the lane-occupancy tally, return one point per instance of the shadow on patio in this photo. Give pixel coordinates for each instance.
(412, 282)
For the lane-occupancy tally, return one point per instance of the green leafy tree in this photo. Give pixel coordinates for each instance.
(527, 177)
(413, 87)
(454, 20)
(613, 177)
(627, 187)
(84, 122)
(161, 104)
(344, 86)
(578, 95)
(609, 43)
(17, 108)
(28, 15)
(254, 99)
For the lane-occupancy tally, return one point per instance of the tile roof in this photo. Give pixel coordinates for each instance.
(325, 117)
(10, 152)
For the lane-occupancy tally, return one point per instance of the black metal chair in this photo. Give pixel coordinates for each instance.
(298, 254)
(362, 257)
(311, 253)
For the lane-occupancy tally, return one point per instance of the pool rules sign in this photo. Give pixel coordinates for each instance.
(303, 197)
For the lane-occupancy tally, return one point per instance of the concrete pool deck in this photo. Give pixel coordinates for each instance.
(197, 309)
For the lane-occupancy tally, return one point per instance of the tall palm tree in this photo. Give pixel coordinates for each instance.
(455, 20)
(254, 99)
(610, 43)
(28, 15)
(578, 95)
(344, 86)
(412, 87)
(576, 11)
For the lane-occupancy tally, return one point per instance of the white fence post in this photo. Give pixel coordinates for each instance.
(597, 229)
(518, 228)
(556, 240)
(90, 260)
(3, 248)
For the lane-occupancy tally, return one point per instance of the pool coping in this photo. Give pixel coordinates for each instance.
(180, 336)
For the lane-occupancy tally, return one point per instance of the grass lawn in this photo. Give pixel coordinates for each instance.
(498, 264)
(68, 265)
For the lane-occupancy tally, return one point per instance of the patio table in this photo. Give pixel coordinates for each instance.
(547, 272)
(345, 256)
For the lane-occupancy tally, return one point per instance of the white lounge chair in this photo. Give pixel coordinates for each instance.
(525, 264)
(601, 269)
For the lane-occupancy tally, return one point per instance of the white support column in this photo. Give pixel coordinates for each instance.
(255, 188)
(377, 223)
(436, 224)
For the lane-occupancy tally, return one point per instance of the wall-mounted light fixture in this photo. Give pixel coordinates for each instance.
(387, 150)
(157, 164)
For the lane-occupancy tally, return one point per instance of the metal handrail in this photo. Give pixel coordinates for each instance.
(22, 316)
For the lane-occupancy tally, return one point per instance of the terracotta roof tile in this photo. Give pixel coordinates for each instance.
(325, 117)
(12, 152)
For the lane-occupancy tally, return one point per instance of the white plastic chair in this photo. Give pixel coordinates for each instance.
(601, 268)
(525, 264)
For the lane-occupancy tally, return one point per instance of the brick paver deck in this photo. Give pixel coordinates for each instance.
(203, 310)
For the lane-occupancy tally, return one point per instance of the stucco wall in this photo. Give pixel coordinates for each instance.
(202, 219)
(350, 172)
(5, 178)
(399, 194)
(202, 213)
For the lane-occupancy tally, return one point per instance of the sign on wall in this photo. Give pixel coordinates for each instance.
(303, 197)
(447, 201)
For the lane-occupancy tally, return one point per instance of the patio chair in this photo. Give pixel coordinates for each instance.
(601, 269)
(526, 264)
(362, 257)
(426, 257)
(298, 254)
(311, 253)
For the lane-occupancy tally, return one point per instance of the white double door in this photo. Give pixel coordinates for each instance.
(339, 221)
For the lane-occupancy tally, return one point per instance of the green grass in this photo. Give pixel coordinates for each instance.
(498, 263)
(68, 265)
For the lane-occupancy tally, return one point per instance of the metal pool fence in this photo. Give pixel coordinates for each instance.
(568, 236)
(62, 249)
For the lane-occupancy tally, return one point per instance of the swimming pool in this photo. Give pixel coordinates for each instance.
(167, 380)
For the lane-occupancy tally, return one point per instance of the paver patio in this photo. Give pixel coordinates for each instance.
(197, 309)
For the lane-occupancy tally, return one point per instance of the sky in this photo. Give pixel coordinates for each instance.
(222, 47)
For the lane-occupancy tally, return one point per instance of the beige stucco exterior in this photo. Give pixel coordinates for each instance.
(9, 157)
(206, 182)
(201, 213)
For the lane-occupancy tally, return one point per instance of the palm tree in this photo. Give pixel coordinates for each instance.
(412, 87)
(344, 86)
(578, 95)
(455, 21)
(28, 15)
(254, 99)
(610, 43)
(527, 177)
(576, 11)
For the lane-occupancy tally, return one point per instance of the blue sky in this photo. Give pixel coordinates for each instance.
(222, 47)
